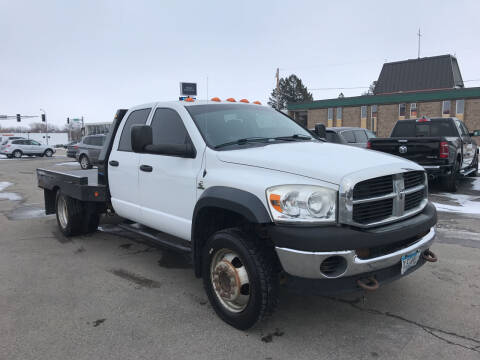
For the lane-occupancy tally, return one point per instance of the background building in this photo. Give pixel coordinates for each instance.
(410, 89)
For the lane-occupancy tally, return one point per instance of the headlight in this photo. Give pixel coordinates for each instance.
(302, 204)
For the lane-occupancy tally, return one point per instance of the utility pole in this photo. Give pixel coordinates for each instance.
(277, 75)
(419, 35)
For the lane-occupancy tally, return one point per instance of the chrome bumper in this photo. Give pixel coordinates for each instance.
(307, 264)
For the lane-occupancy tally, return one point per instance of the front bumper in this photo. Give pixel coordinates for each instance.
(307, 264)
(303, 250)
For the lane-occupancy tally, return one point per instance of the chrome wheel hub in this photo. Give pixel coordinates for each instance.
(62, 212)
(230, 280)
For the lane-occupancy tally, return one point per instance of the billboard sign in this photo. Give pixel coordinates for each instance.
(188, 89)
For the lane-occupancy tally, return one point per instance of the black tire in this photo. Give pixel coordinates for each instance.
(48, 153)
(450, 182)
(77, 220)
(84, 162)
(475, 166)
(259, 263)
(17, 154)
(69, 215)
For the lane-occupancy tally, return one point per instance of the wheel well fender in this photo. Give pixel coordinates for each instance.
(221, 207)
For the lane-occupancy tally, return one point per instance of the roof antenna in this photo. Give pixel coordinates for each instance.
(419, 35)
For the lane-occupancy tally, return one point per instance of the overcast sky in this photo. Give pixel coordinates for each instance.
(89, 58)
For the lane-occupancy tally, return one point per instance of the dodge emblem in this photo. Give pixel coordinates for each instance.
(402, 149)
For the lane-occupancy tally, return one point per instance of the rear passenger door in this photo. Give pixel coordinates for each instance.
(123, 168)
(168, 190)
(348, 137)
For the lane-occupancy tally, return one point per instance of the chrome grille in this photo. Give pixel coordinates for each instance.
(383, 199)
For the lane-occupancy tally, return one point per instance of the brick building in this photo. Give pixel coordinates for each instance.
(431, 87)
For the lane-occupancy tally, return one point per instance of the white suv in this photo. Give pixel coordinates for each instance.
(18, 147)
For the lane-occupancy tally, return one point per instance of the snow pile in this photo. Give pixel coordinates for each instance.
(7, 195)
(466, 203)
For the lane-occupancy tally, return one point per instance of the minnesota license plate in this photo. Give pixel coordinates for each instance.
(409, 261)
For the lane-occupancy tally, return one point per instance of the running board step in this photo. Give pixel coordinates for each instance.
(466, 172)
(158, 237)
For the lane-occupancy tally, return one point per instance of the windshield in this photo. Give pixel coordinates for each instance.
(432, 128)
(225, 123)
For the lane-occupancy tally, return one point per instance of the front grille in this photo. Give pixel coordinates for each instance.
(386, 198)
(414, 199)
(413, 178)
(373, 187)
(374, 211)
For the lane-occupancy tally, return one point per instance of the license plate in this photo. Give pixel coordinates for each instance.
(409, 261)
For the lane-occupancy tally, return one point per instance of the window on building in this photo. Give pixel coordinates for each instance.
(330, 114)
(402, 109)
(413, 110)
(460, 107)
(137, 117)
(374, 111)
(301, 117)
(363, 112)
(339, 113)
(446, 107)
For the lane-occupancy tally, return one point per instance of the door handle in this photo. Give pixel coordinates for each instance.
(146, 168)
(113, 162)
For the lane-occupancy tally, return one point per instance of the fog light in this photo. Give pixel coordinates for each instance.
(333, 266)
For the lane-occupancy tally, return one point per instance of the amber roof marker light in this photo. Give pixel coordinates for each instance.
(231, 99)
(257, 102)
(189, 99)
(244, 101)
(217, 99)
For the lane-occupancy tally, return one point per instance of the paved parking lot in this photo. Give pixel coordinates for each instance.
(112, 296)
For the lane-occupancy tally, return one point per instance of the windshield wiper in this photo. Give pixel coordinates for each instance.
(294, 137)
(243, 141)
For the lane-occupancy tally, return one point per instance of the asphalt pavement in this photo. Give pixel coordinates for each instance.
(111, 295)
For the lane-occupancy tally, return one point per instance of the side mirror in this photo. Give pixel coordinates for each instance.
(141, 136)
(475, 133)
(321, 131)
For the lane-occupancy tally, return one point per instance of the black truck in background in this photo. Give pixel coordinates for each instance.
(443, 146)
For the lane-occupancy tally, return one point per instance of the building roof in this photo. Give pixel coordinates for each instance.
(428, 73)
(418, 96)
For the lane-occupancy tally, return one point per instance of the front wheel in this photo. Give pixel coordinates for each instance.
(48, 153)
(239, 278)
(450, 182)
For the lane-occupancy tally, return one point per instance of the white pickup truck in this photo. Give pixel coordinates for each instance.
(258, 200)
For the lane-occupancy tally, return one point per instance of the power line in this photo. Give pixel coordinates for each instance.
(340, 88)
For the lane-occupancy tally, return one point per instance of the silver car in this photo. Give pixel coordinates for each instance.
(89, 150)
(18, 147)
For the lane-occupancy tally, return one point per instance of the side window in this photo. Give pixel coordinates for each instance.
(17, 142)
(137, 117)
(348, 136)
(168, 128)
(360, 136)
(460, 128)
(87, 140)
(33, 142)
(464, 129)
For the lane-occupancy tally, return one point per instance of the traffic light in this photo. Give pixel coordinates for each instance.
(44, 118)
(68, 120)
(18, 117)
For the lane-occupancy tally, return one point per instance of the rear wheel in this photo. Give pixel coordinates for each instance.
(85, 162)
(239, 278)
(17, 154)
(475, 166)
(450, 182)
(73, 218)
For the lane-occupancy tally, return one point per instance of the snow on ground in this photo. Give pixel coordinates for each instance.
(464, 204)
(8, 195)
(70, 163)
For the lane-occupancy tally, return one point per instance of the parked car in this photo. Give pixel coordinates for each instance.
(88, 150)
(349, 136)
(254, 198)
(72, 149)
(18, 147)
(443, 146)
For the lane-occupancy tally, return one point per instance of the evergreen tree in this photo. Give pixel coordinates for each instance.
(292, 90)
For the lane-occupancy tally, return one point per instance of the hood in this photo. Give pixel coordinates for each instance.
(323, 161)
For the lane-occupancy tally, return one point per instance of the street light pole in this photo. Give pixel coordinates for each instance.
(46, 125)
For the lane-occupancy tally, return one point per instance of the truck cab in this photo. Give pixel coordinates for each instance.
(256, 200)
